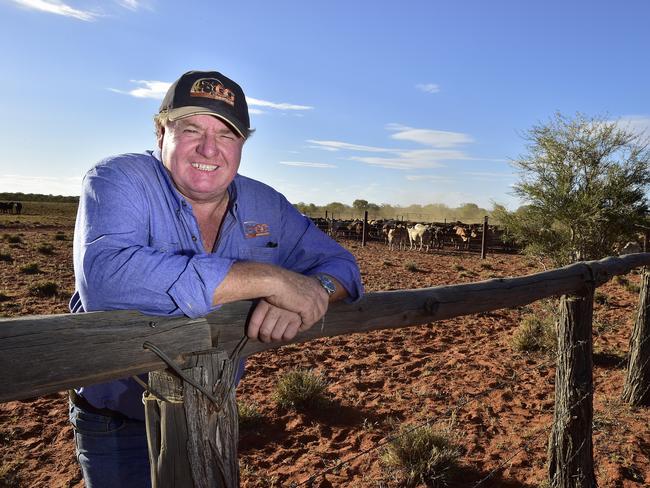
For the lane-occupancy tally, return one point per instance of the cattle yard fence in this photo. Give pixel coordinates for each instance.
(190, 402)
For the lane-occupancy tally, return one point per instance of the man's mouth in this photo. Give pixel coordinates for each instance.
(204, 167)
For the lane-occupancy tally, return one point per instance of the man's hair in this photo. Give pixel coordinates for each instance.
(161, 120)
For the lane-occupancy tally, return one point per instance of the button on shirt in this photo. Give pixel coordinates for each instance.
(137, 246)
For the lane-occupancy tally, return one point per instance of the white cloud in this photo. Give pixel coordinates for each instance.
(59, 8)
(157, 89)
(338, 145)
(405, 163)
(429, 137)
(428, 87)
(639, 124)
(436, 178)
(149, 89)
(130, 4)
(305, 164)
(278, 106)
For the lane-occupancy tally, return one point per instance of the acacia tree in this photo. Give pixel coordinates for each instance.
(583, 181)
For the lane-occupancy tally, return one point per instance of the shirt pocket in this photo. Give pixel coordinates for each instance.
(165, 246)
(268, 255)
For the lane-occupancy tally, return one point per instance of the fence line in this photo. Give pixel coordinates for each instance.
(112, 341)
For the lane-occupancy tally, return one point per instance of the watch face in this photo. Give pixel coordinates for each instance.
(328, 284)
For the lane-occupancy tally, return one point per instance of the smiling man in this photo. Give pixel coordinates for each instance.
(177, 231)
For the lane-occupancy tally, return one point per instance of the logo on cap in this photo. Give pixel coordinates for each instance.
(212, 88)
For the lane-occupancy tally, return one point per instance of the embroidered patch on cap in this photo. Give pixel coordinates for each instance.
(253, 229)
(212, 88)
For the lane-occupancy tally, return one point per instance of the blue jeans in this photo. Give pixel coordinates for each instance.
(112, 451)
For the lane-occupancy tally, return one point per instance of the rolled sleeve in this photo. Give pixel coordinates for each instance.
(194, 289)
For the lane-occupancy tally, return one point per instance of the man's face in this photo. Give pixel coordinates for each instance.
(202, 154)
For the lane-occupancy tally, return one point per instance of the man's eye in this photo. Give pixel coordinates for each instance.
(188, 130)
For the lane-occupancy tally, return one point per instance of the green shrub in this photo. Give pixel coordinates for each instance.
(486, 266)
(31, 268)
(422, 455)
(44, 289)
(249, 415)
(535, 333)
(59, 236)
(6, 257)
(4, 298)
(47, 249)
(458, 267)
(301, 389)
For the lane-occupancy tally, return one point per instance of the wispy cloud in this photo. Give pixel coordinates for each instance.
(278, 106)
(130, 4)
(58, 8)
(305, 164)
(398, 163)
(338, 145)
(148, 89)
(428, 87)
(157, 89)
(639, 124)
(428, 137)
(437, 178)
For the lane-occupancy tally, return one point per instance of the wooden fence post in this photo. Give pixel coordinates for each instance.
(570, 449)
(636, 390)
(484, 237)
(193, 442)
(365, 229)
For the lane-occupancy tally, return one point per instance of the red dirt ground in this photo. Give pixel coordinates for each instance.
(461, 372)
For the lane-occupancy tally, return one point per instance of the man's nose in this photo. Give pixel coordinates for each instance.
(208, 146)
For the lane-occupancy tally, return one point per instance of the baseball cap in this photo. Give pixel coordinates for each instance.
(208, 92)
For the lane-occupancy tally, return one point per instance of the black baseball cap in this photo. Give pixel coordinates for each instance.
(208, 92)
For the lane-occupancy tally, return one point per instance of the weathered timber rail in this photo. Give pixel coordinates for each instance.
(50, 353)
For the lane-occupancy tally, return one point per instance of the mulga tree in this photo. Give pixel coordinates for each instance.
(583, 182)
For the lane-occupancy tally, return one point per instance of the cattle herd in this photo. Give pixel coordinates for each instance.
(11, 207)
(401, 235)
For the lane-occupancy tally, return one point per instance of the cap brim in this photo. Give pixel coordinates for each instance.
(188, 111)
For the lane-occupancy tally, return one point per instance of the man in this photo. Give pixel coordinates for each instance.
(177, 231)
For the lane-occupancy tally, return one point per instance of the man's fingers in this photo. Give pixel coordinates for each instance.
(257, 318)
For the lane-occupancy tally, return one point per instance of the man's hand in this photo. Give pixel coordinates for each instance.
(269, 323)
(284, 289)
(301, 294)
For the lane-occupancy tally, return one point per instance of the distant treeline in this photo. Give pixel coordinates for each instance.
(37, 197)
(433, 212)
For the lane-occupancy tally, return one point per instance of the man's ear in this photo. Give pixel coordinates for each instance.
(160, 137)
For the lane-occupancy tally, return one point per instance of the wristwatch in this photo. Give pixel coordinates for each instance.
(326, 283)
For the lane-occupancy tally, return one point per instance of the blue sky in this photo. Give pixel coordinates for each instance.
(410, 102)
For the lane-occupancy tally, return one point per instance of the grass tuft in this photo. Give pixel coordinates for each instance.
(59, 236)
(30, 268)
(422, 455)
(249, 415)
(6, 257)
(44, 289)
(301, 389)
(47, 249)
(411, 266)
(535, 333)
(458, 267)
(12, 239)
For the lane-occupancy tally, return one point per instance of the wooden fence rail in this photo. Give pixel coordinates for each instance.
(46, 354)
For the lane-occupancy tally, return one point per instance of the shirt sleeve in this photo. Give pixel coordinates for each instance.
(115, 266)
(310, 251)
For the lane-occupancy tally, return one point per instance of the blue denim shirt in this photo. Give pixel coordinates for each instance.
(137, 246)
